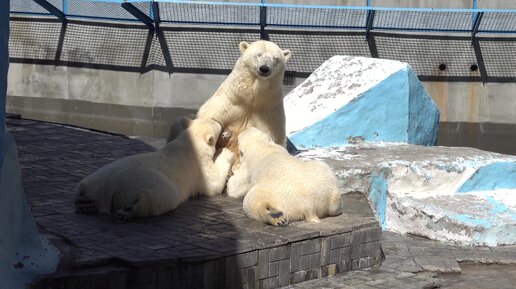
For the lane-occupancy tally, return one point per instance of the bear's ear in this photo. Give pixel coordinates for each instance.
(243, 46)
(186, 122)
(210, 139)
(286, 54)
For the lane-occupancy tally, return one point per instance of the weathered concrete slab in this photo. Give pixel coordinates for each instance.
(204, 243)
(460, 195)
(349, 98)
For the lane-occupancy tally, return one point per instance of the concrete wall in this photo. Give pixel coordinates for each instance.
(121, 102)
(146, 104)
(474, 101)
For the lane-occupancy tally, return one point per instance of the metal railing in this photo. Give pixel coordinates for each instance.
(382, 31)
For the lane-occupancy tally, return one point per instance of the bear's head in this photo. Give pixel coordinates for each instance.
(254, 140)
(202, 132)
(263, 58)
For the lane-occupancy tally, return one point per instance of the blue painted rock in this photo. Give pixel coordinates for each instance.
(458, 195)
(352, 99)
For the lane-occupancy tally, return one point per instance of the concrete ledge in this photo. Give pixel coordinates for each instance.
(205, 243)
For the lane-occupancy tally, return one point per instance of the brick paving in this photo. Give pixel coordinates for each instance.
(204, 243)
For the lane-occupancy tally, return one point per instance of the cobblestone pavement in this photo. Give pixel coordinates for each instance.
(54, 158)
(412, 262)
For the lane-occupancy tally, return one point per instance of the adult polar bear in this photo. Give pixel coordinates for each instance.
(251, 95)
(153, 183)
(278, 187)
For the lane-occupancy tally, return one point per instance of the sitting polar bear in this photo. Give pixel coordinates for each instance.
(153, 183)
(280, 188)
(251, 95)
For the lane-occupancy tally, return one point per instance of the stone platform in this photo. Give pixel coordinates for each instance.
(205, 243)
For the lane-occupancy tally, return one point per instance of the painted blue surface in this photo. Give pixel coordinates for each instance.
(378, 197)
(382, 113)
(471, 220)
(497, 206)
(501, 175)
(423, 118)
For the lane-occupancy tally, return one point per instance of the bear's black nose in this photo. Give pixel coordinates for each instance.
(264, 69)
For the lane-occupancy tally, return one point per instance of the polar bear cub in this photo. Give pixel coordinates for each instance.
(251, 95)
(280, 188)
(153, 183)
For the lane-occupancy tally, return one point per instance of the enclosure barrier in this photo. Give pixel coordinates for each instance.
(203, 36)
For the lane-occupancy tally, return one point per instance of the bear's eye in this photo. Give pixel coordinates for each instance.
(259, 55)
(241, 153)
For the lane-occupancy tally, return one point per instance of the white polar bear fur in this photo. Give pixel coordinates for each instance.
(153, 183)
(249, 97)
(274, 181)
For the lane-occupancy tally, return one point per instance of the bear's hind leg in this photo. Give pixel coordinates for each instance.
(84, 203)
(336, 207)
(274, 217)
(311, 217)
(129, 211)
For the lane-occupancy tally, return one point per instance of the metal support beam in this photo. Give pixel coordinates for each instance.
(52, 9)
(59, 49)
(263, 22)
(155, 14)
(476, 24)
(161, 37)
(480, 60)
(139, 15)
(369, 22)
(146, 52)
(372, 46)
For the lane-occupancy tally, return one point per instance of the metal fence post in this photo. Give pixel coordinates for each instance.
(61, 16)
(369, 37)
(263, 21)
(149, 22)
(161, 38)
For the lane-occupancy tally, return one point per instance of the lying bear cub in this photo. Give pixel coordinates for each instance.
(153, 183)
(280, 188)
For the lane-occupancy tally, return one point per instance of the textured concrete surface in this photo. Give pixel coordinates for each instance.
(418, 190)
(350, 98)
(199, 238)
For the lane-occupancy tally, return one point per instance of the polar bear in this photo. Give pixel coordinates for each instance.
(252, 95)
(153, 183)
(280, 188)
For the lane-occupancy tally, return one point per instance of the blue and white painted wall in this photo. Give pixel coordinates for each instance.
(349, 98)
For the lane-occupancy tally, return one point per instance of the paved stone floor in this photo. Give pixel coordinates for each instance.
(54, 158)
(50, 173)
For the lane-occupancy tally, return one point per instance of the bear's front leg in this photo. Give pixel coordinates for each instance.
(216, 177)
(238, 184)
